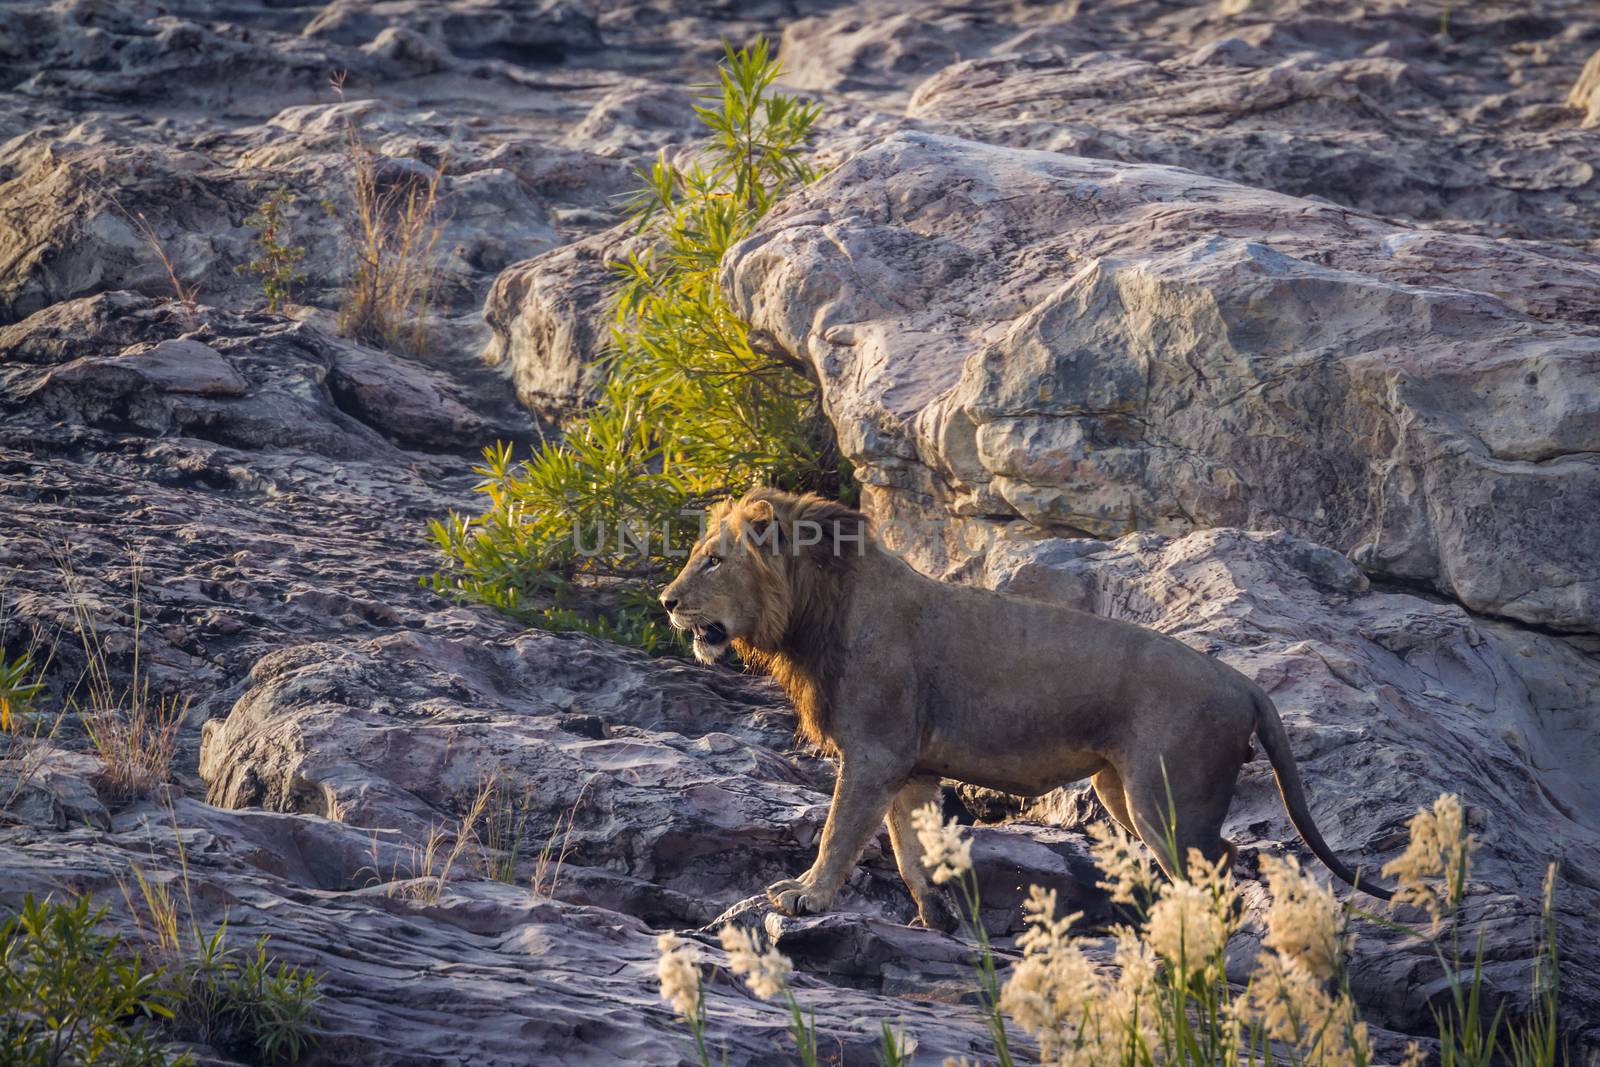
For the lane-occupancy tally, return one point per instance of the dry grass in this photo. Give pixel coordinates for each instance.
(162, 920)
(134, 732)
(435, 859)
(495, 824)
(396, 230)
(505, 824)
(185, 295)
(547, 871)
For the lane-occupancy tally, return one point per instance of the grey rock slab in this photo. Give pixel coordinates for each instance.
(486, 973)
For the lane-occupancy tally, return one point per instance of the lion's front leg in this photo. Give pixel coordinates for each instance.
(861, 797)
(933, 910)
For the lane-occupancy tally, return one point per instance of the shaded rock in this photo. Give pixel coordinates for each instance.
(141, 50)
(406, 402)
(214, 483)
(1097, 346)
(51, 787)
(549, 319)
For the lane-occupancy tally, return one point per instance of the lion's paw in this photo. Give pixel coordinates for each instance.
(935, 913)
(795, 897)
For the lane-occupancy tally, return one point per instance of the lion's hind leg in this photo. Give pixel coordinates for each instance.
(1108, 787)
(1183, 810)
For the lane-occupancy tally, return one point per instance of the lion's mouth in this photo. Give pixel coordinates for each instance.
(712, 633)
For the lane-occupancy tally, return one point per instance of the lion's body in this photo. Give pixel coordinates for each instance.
(911, 680)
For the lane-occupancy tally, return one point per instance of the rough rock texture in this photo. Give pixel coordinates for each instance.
(1270, 324)
(1114, 347)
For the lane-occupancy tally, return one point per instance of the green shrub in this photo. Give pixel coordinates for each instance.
(19, 688)
(690, 410)
(252, 1005)
(70, 994)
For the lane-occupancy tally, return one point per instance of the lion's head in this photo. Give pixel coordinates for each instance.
(764, 561)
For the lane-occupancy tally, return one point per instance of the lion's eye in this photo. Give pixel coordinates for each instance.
(713, 562)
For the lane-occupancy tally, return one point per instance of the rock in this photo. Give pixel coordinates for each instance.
(1241, 118)
(210, 415)
(1091, 345)
(406, 402)
(1324, 323)
(549, 320)
(181, 365)
(140, 50)
(178, 224)
(51, 787)
(486, 29)
(845, 50)
(637, 119)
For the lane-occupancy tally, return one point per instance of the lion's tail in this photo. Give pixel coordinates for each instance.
(1269, 728)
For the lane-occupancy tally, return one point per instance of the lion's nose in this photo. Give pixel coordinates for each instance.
(668, 602)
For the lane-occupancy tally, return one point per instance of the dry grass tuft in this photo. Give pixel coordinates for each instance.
(134, 732)
(435, 859)
(396, 230)
(547, 871)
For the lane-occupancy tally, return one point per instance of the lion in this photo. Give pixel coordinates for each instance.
(909, 681)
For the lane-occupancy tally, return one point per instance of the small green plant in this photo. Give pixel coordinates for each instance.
(894, 1047)
(72, 995)
(20, 686)
(250, 1003)
(276, 264)
(691, 409)
(254, 1006)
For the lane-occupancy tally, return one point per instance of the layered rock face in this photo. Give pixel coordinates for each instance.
(1112, 347)
(1270, 324)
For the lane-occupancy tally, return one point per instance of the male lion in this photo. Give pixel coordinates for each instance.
(910, 680)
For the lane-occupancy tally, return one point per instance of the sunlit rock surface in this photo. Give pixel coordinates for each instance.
(1111, 347)
(1269, 324)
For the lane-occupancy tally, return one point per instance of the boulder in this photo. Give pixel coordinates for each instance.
(1110, 347)
(549, 320)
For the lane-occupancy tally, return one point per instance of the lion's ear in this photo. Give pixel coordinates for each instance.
(759, 512)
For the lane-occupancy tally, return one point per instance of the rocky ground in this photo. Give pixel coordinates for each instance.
(1269, 323)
